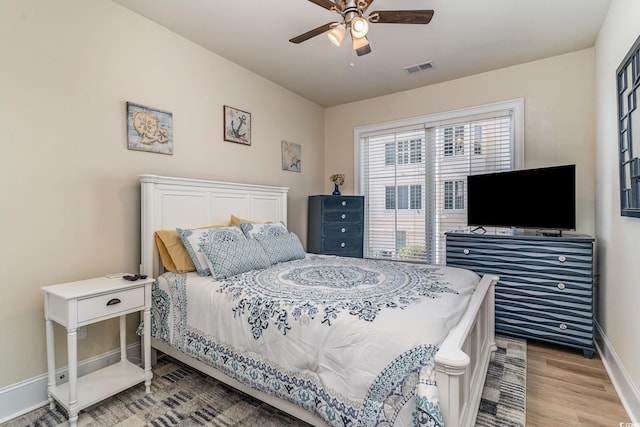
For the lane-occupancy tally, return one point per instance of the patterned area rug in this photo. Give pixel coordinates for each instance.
(182, 396)
(504, 394)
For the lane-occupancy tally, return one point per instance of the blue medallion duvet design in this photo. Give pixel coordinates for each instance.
(350, 340)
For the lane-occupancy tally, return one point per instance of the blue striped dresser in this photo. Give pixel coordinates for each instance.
(545, 290)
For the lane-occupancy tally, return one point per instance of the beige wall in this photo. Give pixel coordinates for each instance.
(617, 236)
(559, 117)
(70, 195)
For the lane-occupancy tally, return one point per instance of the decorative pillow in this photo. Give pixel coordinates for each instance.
(232, 257)
(284, 247)
(173, 255)
(251, 230)
(192, 238)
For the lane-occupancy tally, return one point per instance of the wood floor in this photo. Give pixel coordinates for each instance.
(566, 389)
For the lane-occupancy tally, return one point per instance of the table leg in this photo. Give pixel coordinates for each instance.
(123, 338)
(72, 350)
(146, 345)
(51, 362)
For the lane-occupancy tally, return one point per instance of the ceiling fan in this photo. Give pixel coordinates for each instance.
(352, 12)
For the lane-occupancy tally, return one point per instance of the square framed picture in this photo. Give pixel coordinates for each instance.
(291, 157)
(237, 125)
(149, 129)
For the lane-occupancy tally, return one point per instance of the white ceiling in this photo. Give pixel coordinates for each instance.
(465, 37)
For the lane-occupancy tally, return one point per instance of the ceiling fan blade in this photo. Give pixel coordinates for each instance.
(401, 16)
(312, 33)
(327, 4)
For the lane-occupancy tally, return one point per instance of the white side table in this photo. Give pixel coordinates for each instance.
(84, 302)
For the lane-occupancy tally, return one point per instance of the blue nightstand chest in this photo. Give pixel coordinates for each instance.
(336, 225)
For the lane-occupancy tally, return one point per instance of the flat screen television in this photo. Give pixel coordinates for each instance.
(543, 199)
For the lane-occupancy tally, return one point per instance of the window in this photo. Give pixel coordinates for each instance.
(413, 175)
(403, 197)
(477, 139)
(454, 195)
(454, 141)
(403, 152)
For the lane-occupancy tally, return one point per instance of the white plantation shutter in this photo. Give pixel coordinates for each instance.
(414, 181)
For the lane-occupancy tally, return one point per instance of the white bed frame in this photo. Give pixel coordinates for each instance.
(168, 202)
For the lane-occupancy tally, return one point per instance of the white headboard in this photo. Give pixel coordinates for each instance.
(169, 202)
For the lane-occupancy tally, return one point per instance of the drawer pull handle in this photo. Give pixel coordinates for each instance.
(343, 229)
(562, 258)
(466, 251)
(342, 245)
(563, 326)
(344, 203)
(343, 216)
(561, 286)
(114, 301)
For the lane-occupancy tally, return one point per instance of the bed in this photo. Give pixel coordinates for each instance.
(344, 355)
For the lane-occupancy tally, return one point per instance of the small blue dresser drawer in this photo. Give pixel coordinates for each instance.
(336, 225)
(545, 290)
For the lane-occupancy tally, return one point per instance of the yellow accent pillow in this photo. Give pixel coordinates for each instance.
(237, 221)
(173, 254)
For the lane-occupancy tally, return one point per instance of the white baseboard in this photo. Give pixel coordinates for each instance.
(25, 396)
(627, 391)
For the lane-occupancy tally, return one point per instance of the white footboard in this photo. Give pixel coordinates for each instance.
(464, 357)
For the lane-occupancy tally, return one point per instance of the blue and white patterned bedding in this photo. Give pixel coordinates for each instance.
(351, 340)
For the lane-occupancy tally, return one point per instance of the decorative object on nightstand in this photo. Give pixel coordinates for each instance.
(336, 225)
(81, 303)
(338, 180)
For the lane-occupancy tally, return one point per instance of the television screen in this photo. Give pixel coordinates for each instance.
(543, 198)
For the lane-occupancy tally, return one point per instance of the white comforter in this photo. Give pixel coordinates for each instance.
(348, 339)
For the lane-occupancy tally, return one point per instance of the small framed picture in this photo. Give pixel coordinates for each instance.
(237, 125)
(149, 129)
(291, 157)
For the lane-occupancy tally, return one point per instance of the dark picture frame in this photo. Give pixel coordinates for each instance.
(237, 125)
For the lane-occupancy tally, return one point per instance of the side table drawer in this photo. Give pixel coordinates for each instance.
(110, 304)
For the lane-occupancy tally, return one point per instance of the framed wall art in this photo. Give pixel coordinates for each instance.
(628, 77)
(237, 125)
(291, 157)
(149, 129)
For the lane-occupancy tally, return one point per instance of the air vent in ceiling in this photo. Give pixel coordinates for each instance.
(418, 67)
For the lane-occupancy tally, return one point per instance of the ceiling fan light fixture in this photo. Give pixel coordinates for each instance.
(337, 34)
(359, 27)
(361, 46)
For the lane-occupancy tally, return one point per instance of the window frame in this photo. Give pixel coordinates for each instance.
(515, 108)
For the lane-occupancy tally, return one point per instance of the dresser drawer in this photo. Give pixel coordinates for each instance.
(345, 230)
(342, 216)
(110, 304)
(343, 203)
(334, 245)
(541, 326)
